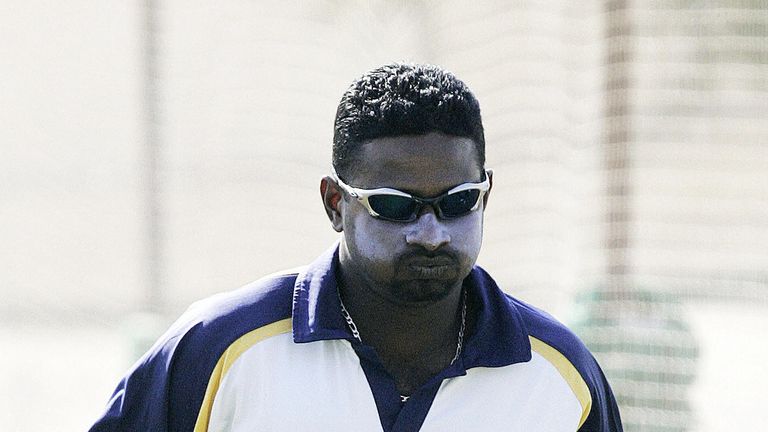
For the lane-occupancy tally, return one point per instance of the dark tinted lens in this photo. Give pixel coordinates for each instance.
(459, 203)
(393, 207)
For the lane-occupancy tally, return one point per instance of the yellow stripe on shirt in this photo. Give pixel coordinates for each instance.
(569, 374)
(228, 358)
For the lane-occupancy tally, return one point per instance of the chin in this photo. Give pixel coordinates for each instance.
(421, 291)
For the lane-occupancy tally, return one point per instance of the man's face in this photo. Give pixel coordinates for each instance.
(423, 260)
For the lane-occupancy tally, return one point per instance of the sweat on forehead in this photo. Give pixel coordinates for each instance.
(404, 99)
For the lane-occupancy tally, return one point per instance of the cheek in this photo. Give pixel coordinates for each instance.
(467, 236)
(471, 226)
(374, 241)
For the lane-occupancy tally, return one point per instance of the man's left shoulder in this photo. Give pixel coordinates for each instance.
(550, 336)
(560, 347)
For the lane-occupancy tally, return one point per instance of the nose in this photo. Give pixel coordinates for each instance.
(428, 232)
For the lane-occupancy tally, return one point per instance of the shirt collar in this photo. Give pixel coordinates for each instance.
(316, 306)
(499, 338)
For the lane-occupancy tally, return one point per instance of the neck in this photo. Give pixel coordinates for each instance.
(414, 341)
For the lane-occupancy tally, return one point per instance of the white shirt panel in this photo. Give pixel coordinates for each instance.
(523, 397)
(278, 385)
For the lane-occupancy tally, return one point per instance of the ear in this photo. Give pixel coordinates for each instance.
(331, 196)
(487, 194)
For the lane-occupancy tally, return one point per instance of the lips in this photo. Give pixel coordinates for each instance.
(440, 267)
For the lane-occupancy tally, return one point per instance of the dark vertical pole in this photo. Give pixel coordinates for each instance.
(153, 299)
(617, 136)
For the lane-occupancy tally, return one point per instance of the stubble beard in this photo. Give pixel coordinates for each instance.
(420, 291)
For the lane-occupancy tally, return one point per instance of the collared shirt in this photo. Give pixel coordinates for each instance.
(277, 355)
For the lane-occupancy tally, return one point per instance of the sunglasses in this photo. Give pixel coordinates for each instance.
(398, 206)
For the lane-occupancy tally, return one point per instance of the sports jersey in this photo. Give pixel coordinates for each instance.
(277, 355)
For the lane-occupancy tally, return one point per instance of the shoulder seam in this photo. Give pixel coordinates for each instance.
(295, 271)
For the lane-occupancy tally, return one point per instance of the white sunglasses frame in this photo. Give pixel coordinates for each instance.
(362, 195)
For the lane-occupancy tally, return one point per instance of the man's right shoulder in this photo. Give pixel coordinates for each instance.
(165, 388)
(228, 315)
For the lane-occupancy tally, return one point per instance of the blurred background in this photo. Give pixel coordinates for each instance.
(155, 152)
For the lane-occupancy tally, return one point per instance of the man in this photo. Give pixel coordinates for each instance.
(392, 329)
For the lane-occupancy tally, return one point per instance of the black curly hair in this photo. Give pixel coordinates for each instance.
(404, 99)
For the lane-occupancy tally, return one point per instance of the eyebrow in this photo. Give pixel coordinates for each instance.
(417, 195)
(484, 177)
